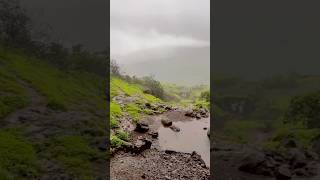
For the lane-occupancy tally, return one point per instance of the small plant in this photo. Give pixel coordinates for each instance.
(122, 135)
(116, 142)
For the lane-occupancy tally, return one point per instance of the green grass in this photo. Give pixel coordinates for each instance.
(74, 153)
(116, 142)
(115, 109)
(134, 111)
(18, 158)
(12, 94)
(62, 90)
(297, 132)
(240, 130)
(122, 135)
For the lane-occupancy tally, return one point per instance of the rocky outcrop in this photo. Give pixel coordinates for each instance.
(293, 163)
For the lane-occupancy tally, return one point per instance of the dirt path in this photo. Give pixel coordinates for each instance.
(155, 163)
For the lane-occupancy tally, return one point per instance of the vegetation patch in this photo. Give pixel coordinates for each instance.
(18, 158)
(74, 153)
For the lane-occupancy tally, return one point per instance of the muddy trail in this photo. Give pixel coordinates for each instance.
(164, 159)
(246, 162)
(40, 123)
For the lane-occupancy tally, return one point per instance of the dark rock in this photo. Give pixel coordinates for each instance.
(22, 118)
(143, 176)
(283, 173)
(148, 105)
(289, 143)
(297, 157)
(142, 127)
(205, 128)
(175, 128)
(166, 122)
(255, 163)
(208, 133)
(154, 134)
(141, 145)
(169, 151)
(168, 108)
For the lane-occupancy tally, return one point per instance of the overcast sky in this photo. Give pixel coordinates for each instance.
(142, 25)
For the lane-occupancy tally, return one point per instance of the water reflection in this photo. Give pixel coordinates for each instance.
(192, 137)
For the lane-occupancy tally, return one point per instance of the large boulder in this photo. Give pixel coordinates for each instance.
(258, 163)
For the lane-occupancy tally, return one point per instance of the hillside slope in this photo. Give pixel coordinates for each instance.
(52, 121)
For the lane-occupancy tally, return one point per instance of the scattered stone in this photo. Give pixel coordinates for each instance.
(142, 127)
(175, 128)
(166, 122)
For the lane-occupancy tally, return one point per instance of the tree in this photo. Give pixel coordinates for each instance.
(154, 86)
(205, 96)
(115, 68)
(14, 23)
(306, 109)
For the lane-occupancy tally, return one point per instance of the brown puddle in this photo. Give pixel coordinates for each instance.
(192, 137)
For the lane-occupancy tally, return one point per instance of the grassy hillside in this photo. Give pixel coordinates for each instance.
(71, 144)
(130, 105)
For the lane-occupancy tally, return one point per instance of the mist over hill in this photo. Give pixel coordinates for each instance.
(183, 65)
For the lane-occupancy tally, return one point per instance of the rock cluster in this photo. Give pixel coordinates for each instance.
(198, 113)
(295, 162)
(156, 108)
(139, 145)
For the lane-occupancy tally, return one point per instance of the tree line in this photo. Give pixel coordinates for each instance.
(16, 34)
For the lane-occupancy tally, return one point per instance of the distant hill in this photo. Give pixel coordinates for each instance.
(183, 66)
